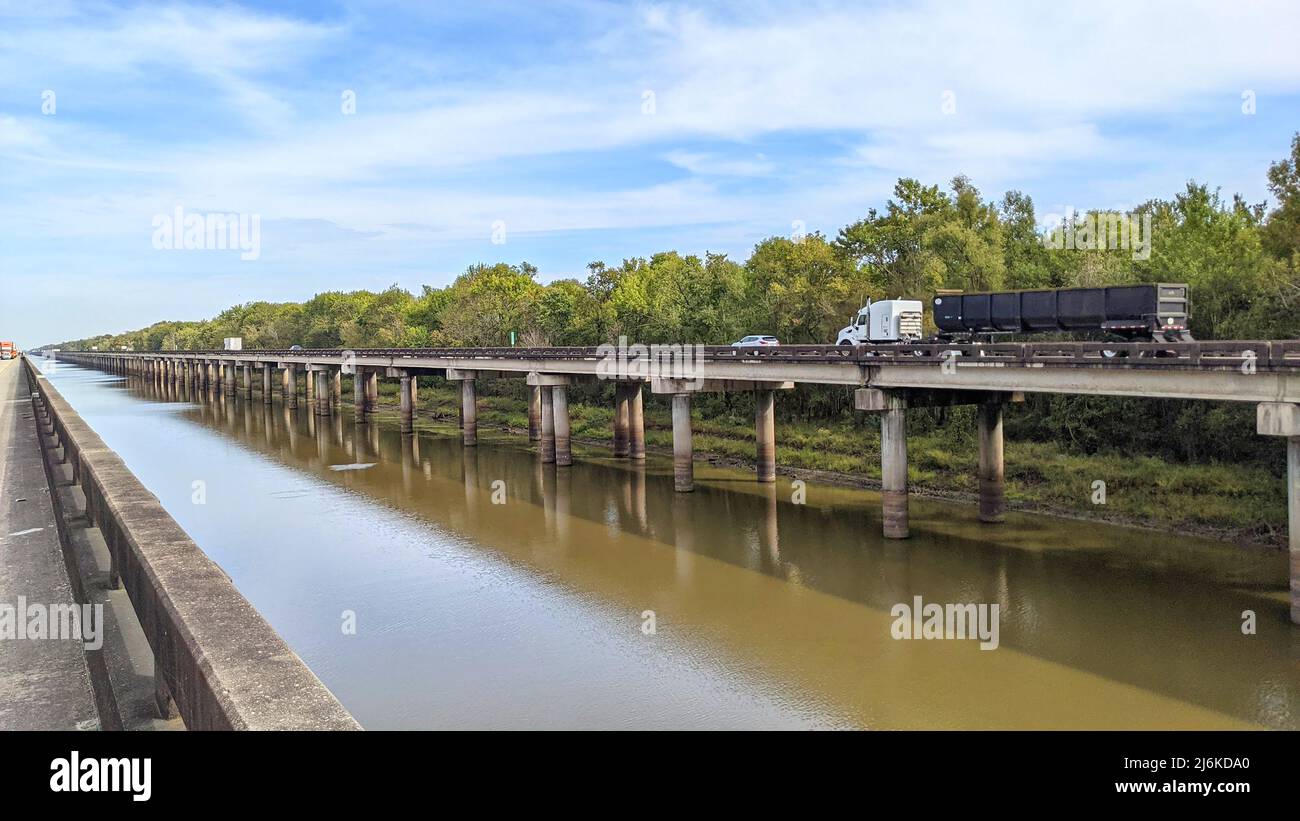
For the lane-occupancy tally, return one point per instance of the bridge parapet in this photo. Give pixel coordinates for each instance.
(223, 665)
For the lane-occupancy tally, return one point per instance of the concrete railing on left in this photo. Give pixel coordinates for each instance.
(215, 656)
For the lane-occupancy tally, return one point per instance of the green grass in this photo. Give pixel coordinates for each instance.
(1239, 501)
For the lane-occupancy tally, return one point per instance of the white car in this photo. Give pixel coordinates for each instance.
(756, 341)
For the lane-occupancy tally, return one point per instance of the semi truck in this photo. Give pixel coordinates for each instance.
(884, 321)
(1151, 312)
(8, 351)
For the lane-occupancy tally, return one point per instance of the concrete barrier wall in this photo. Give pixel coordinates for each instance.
(224, 665)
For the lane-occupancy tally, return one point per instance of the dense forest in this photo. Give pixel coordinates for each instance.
(1241, 260)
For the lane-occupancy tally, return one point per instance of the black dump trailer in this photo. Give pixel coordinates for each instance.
(1155, 312)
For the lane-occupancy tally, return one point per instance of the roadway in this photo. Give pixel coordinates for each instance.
(44, 683)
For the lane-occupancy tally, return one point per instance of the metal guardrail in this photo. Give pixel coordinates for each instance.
(1262, 355)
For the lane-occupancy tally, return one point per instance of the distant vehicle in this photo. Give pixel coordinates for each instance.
(756, 341)
(8, 351)
(883, 322)
(234, 343)
(295, 347)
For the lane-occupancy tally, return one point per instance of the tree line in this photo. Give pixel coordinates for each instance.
(1242, 261)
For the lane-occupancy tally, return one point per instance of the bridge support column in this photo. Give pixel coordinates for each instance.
(372, 391)
(991, 474)
(336, 387)
(289, 387)
(408, 404)
(534, 413)
(621, 414)
(358, 396)
(266, 385)
(683, 451)
(232, 382)
(1283, 419)
(635, 421)
(248, 381)
(560, 425)
(765, 434)
(893, 468)
(468, 404)
(309, 387)
(322, 379)
(546, 445)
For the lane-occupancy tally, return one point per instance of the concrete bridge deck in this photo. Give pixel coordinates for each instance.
(44, 683)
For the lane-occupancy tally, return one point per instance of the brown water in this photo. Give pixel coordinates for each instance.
(767, 613)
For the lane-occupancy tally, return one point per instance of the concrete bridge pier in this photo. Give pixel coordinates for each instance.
(892, 406)
(765, 434)
(534, 412)
(992, 488)
(288, 389)
(309, 386)
(1283, 419)
(621, 415)
(635, 421)
(336, 388)
(546, 445)
(407, 400)
(555, 444)
(358, 396)
(248, 381)
(893, 468)
(321, 378)
(372, 391)
(560, 424)
(232, 383)
(683, 451)
(209, 375)
(468, 404)
(266, 385)
(679, 391)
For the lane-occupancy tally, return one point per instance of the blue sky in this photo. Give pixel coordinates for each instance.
(536, 118)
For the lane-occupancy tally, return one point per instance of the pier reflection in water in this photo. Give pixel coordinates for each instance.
(492, 590)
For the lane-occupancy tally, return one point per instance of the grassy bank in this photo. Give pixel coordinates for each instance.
(1238, 502)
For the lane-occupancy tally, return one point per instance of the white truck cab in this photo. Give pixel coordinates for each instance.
(883, 322)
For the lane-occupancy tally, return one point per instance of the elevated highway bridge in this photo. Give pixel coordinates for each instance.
(886, 379)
